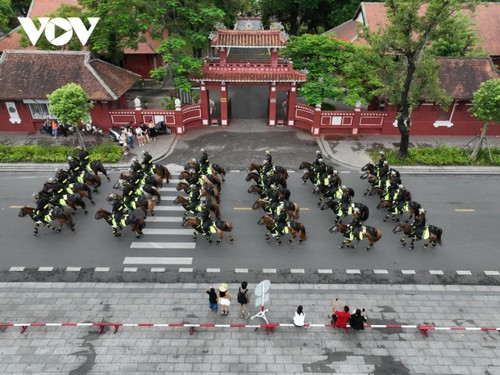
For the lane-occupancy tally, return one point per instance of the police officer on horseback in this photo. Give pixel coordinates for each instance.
(355, 226)
(418, 225)
(203, 163)
(147, 162)
(84, 159)
(269, 158)
(42, 208)
(205, 220)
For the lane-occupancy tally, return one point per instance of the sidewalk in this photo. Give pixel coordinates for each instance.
(289, 350)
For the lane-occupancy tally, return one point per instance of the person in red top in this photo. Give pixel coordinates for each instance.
(340, 318)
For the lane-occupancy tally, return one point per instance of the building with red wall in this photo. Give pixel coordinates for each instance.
(27, 77)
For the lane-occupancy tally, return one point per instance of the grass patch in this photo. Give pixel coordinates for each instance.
(106, 152)
(440, 156)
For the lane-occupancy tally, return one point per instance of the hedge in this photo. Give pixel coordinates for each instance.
(439, 155)
(106, 152)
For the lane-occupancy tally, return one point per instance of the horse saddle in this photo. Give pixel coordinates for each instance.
(222, 225)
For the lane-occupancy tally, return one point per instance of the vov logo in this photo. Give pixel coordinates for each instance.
(49, 25)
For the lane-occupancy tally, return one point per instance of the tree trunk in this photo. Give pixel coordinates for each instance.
(294, 22)
(404, 114)
(80, 138)
(479, 144)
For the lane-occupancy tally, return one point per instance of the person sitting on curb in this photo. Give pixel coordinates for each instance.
(358, 320)
(299, 317)
(340, 318)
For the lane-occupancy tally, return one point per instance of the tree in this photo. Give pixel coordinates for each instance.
(292, 13)
(336, 70)
(485, 107)
(409, 70)
(177, 63)
(64, 11)
(71, 105)
(6, 16)
(121, 25)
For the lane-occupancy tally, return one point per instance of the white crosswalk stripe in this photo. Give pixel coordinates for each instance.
(163, 233)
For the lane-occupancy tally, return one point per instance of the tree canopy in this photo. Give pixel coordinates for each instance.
(486, 107)
(409, 71)
(6, 16)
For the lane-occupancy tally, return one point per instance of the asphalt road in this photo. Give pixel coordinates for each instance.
(469, 239)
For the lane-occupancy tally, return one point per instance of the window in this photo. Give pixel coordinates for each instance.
(39, 109)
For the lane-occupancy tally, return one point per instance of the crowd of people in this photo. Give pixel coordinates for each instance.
(143, 133)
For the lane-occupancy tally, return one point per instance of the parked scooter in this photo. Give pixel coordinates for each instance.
(115, 132)
(63, 129)
(162, 128)
(91, 129)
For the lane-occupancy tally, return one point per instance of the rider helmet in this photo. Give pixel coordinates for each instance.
(355, 210)
(320, 160)
(268, 152)
(79, 147)
(192, 186)
(335, 172)
(385, 162)
(203, 151)
(393, 173)
(382, 153)
(51, 180)
(273, 186)
(401, 187)
(421, 211)
(343, 187)
(144, 152)
(135, 160)
(193, 160)
(264, 161)
(318, 152)
(70, 158)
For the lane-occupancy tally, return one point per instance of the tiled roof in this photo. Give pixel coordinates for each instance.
(35, 74)
(347, 31)
(41, 8)
(248, 38)
(486, 19)
(239, 73)
(461, 77)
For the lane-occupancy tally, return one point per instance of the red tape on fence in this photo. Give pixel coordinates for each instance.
(269, 327)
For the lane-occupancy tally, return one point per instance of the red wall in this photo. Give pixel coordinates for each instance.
(100, 116)
(141, 64)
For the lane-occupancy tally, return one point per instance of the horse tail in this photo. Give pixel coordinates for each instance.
(379, 234)
(297, 212)
(303, 232)
(439, 232)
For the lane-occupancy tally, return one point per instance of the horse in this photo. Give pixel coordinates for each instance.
(308, 172)
(137, 223)
(276, 179)
(215, 169)
(90, 179)
(56, 214)
(368, 169)
(83, 190)
(431, 233)
(72, 201)
(193, 178)
(292, 209)
(184, 186)
(195, 207)
(371, 233)
(151, 191)
(153, 180)
(218, 226)
(294, 228)
(410, 206)
(146, 204)
(254, 166)
(334, 205)
(211, 191)
(163, 172)
(97, 167)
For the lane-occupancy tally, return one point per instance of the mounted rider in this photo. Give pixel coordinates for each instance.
(206, 221)
(203, 163)
(355, 227)
(84, 158)
(344, 202)
(147, 162)
(136, 166)
(381, 160)
(42, 210)
(75, 168)
(418, 225)
(269, 158)
(382, 174)
(399, 200)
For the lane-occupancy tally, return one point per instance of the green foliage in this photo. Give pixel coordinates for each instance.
(64, 11)
(336, 70)
(107, 152)
(6, 16)
(439, 156)
(177, 63)
(486, 102)
(168, 103)
(70, 104)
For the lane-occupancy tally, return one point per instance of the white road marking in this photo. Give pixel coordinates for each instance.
(169, 208)
(181, 232)
(492, 273)
(130, 269)
(16, 269)
(102, 269)
(162, 245)
(436, 272)
(73, 269)
(465, 210)
(408, 272)
(213, 270)
(157, 269)
(164, 219)
(464, 273)
(321, 270)
(45, 269)
(169, 189)
(234, 170)
(345, 172)
(241, 270)
(185, 270)
(380, 271)
(352, 271)
(297, 270)
(157, 260)
(269, 270)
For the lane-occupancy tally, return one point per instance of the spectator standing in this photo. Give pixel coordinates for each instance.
(341, 317)
(212, 299)
(244, 300)
(224, 299)
(140, 136)
(152, 130)
(55, 128)
(300, 317)
(358, 320)
(124, 142)
(145, 132)
(130, 136)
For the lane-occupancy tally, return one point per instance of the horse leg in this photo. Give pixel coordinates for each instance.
(220, 237)
(412, 243)
(35, 229)
(268, 236)
(278, 240)
(115, 232)
(386, 217)
(342, 244)
(231, 238)
(426, 245)
(403, 241)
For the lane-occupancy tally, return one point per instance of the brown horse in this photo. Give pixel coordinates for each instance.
(207, 179)
(215, 169)
(309, 174)
(410, 206)
(56, 214)
(294, 228)
(431, 233)
(211, 191)
(97, 167)
(218, 226)
(182, 186)
(283, 193)
(83, 190)
(72, 201)
(153, 180)
(371, 233)
(254, 166)
(292, 209)
(137, 223)
(195, 207)
(277, 178)
(146, 204)
(163, 172)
